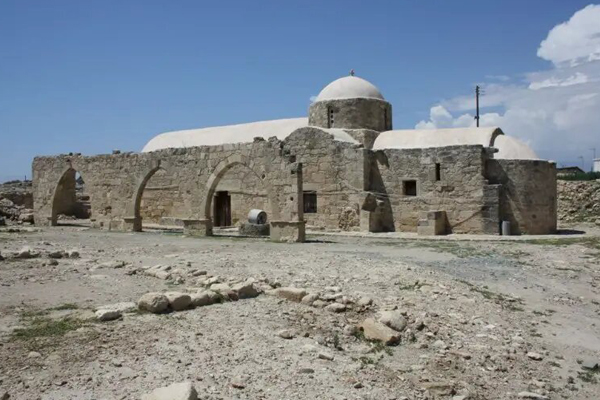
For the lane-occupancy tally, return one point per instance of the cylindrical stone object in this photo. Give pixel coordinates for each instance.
(505, 228)
(258, 217)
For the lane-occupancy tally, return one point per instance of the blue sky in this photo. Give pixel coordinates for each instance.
(92, 76)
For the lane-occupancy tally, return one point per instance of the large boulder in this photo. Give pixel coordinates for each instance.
(178, 301)
(374, 330)
(153, 302)
(176, 391)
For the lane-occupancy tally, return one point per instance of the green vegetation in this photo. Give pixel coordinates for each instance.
(45, 327)
(589, 375)
(505, 302)
(585, 176)
(65, 306)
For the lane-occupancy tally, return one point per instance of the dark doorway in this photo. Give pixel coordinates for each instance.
(222, 209)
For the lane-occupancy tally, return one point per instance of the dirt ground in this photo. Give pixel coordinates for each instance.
(487, 319)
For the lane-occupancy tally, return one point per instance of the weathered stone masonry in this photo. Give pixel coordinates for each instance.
(354, 171)
(116, 182)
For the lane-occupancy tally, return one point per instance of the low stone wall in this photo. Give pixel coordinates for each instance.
(528, 196)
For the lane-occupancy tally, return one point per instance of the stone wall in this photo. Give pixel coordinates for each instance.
(356, 188)
(579, 201)
(528, 196)
(116, 182)
(461, 190)
(334, 170)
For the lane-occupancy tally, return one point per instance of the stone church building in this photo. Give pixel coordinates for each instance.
(342, 168)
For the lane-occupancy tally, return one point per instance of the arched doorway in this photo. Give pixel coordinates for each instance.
(71, 204)
(233, 190)
(159, 201)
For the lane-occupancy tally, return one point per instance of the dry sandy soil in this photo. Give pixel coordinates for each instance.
(486, 319)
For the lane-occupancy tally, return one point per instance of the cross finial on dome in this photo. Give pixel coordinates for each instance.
(352, 72)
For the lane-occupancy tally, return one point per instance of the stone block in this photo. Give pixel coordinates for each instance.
(432, 223)
(288, 231)
(197, 227)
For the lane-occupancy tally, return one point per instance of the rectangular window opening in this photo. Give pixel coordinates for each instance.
(310, 202)
(410, 188)
(438, 172)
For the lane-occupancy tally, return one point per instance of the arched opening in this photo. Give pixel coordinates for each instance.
(233, 191)
(71, 204)
(159, 203)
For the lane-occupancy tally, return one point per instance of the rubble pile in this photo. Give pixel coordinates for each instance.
(16, 202)
(578, 201)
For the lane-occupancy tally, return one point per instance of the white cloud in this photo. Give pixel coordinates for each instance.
(574, 41)
(557, 111)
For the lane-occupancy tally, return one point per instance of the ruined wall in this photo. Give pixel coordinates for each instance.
(528, 195)
(162, 199)
(114, 181)
(462, 191)
(334, 170)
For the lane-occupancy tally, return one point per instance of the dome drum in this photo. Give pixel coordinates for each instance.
(351, 113)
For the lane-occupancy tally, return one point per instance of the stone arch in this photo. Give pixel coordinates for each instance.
(222, 168)
(134, 218)
(64, 198)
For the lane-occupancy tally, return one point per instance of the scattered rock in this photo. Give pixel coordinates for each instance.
(178, 301)
(286, 334)
(34, 354)
(310, 298)
(291, 293)
(531, 395)
(176, 391)
(590, 363)
(246, 290)
(364, 301)
(154, 302)
(535, 356)
(26, 252)
(306, 371)
(108, 315)
(203, 298)
(325, 356)
(123, 307)
(336, 307)
(75, 254)
(393, 319)
(374, 330)
(112, 264)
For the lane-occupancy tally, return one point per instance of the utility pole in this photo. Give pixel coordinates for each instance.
(477, 105)
(582, 166)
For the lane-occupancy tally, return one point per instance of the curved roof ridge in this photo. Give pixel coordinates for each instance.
(424, 138)
(218, 135)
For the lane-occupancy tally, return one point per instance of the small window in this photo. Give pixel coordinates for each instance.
(438, 172)
(310, 202)
(410, 188)
(330, 117)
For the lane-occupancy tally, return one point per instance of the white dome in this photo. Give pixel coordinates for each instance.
(349, 87)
